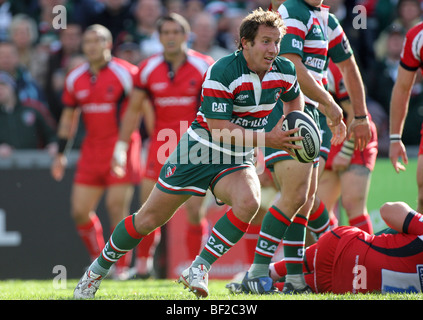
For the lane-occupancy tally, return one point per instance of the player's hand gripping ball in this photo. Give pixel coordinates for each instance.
(308, 130)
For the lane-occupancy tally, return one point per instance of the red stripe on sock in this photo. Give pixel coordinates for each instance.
(278, 215)
(211, 252)
(362, 222)
(254, 229)
(316, 214)
(241, 225)
(130, 228)
(300, 220)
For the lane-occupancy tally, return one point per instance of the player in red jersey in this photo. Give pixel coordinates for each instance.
(99, 89)
(411, 61)
(348, 259)
(347, 171)
(172, 81)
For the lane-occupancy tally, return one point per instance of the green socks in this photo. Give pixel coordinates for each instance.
(123, 239)
(273, 228)
(227, 231)
(293, 245)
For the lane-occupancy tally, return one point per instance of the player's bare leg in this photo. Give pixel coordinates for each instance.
(84, 201)
(159, 208)
(241, 191)
(118, 201)
(355, 184)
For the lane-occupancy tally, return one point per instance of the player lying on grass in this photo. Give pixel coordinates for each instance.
(348, 259)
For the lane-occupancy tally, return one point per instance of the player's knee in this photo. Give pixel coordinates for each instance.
(298, 200)
(79, 214)
(353, 204)
(146, 222)
(247, 207)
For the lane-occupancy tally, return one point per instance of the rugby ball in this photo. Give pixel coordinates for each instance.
(308, 130)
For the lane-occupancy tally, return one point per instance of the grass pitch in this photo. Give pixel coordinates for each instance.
(161, 290)
(165, 299)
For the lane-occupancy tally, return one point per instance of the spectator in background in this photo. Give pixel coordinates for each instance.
(192, 9)
(7, 11)
(380, 82)
(80, 11)
(44, 17)
(27, 88)
(385, 13)
(408, 14)
(22, 127)
(204, 30)
(230, 37)
(130, 52)
(58, 65)
(116, 15)
(24, 34)
(174, 6)
(144, 31)
(189, 9)
(383, 73)
(5, 19)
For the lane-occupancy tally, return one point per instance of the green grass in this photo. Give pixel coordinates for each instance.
(160, 290)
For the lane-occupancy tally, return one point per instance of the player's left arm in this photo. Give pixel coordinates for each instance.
(360, 126)
(130, 122)
(402, 218)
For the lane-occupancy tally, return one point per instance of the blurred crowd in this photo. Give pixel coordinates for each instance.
(35, 56)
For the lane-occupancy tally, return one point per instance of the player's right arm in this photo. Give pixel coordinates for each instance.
(398, 112)
(66, 130)
(315, 92)
(138, 106)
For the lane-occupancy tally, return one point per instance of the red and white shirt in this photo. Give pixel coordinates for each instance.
(412, 52)
(102, 98)
(175, 95)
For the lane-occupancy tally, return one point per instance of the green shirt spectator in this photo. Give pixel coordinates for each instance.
(22, 126)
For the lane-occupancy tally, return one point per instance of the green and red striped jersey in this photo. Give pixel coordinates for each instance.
(315, 35)
(231, 91)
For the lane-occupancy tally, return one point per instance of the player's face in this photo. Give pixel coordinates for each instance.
(262, 52)
(94, 46)
(172, 37)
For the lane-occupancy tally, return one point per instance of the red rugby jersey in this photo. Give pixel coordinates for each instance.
(175, 95)
(102, 97)
(411, 56)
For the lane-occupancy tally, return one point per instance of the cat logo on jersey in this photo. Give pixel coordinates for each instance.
(219, 107)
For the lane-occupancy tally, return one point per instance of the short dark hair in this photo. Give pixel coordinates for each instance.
(250, 25)
(174, 17)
